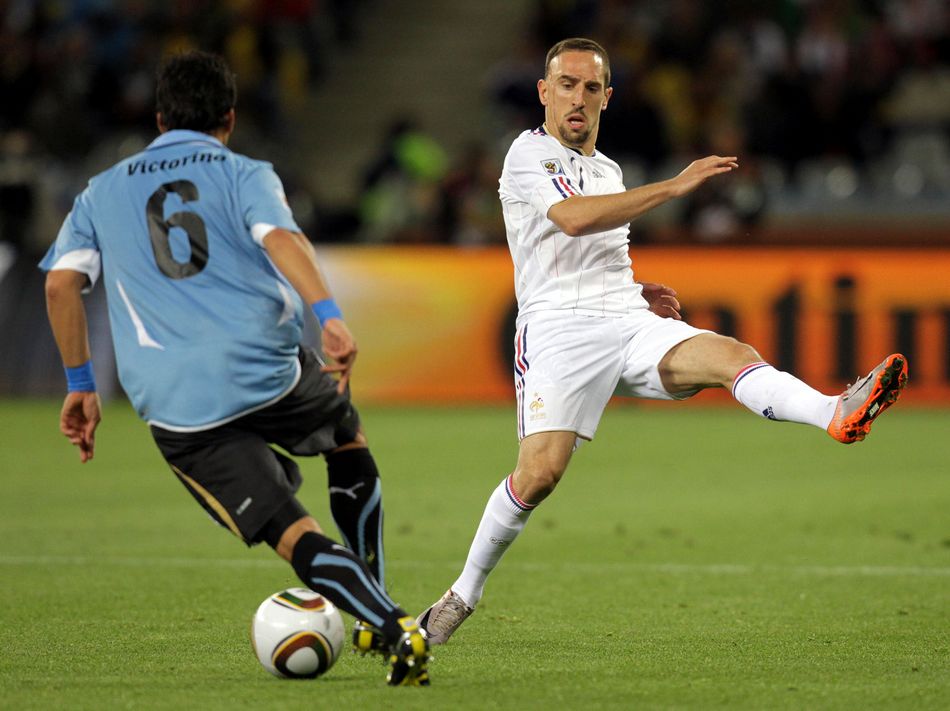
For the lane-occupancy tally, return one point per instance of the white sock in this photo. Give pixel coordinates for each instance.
(778, 395)
(505, 515)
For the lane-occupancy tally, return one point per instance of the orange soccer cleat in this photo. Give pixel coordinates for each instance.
(863, 402)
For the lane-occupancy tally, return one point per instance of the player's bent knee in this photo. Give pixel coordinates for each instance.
(732, 349)
(286, 526)
(707, 360)
(735, 356)
(542, 460)
(743, 354)
(358, 442)
(288, 540)
(534, 484)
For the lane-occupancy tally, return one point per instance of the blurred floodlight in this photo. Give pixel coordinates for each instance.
(908, 180)
(842, 181)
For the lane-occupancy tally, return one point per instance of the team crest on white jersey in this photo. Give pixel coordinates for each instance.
(552, 166)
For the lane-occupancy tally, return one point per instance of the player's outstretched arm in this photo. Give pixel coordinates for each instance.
(586, 214)
(81, 411)
(293, 255)
(699, 171)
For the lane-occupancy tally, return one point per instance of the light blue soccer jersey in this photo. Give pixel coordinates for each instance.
(205, 327)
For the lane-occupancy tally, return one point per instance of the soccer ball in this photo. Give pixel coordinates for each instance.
(297, 634)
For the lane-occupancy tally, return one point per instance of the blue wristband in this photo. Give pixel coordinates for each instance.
(325, 310)
(81, 378)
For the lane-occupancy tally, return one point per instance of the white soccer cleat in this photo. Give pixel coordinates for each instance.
(444, 617)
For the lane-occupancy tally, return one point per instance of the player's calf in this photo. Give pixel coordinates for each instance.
(336, 573)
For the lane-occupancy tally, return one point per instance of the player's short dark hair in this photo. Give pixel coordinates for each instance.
(195, 90)
(578, 44)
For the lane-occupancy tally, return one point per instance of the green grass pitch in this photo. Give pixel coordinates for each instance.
(691, 559)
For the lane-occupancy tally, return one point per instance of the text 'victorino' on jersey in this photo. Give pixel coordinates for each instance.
(141, 166)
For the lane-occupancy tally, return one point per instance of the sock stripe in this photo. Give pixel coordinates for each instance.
(368, 509)
(514, 498)
(745, 371)
(368, 583)
(363, 611)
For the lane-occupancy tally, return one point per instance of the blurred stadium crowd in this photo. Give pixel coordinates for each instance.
(838, 109)
(840, 98)
(77, 84)
(841, 106)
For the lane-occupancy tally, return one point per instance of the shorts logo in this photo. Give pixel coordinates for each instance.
(552, 166)
(537, 408)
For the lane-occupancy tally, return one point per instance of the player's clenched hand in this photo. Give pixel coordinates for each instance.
(697, 172)
(662, 300)
(338, 344)
(78, 421)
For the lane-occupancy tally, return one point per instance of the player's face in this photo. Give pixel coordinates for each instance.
(574, 94)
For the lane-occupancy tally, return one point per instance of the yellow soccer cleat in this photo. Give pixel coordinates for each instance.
(409, 657)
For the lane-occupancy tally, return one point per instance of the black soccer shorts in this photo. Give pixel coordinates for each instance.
(232, 470)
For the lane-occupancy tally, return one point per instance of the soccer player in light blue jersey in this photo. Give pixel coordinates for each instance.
(206, 276)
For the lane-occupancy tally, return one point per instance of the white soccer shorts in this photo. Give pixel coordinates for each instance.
(567, 366)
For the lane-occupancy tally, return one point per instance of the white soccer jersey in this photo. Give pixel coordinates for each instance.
(588, 275)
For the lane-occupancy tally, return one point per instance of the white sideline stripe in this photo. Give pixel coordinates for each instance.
(671, 568)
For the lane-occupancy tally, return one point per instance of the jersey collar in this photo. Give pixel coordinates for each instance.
(180, 135)
(543, 131)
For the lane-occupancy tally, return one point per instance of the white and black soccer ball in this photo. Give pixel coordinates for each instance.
(297, 634)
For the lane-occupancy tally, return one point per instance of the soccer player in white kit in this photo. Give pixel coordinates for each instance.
(586, 330)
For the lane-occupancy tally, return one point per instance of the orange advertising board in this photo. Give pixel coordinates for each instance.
(435, 324)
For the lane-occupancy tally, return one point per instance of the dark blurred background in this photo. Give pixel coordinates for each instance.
(388, 119)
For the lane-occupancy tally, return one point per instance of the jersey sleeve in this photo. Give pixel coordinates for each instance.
(539, 175)
(76, 246)
(263, 202)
